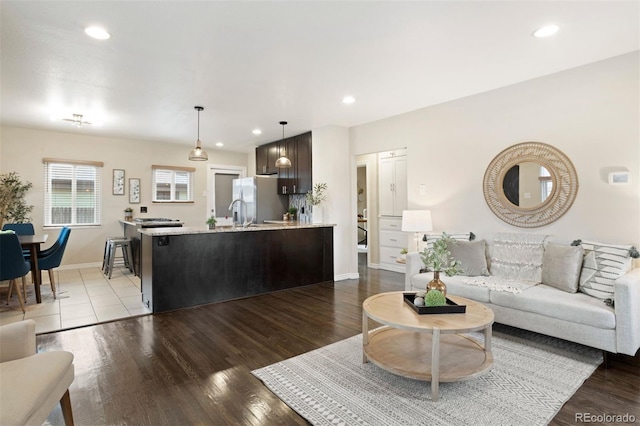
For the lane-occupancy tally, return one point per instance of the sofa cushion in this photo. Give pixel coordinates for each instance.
(455, 286)
(602, 265)
(471, 255)
(517, 256)
(561, 265)
(551, 302)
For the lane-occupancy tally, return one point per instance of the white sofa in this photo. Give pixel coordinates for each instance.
(533, 305)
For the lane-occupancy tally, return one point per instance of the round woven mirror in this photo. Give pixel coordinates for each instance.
(530, 184)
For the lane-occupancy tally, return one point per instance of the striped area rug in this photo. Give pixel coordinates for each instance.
(531, 378)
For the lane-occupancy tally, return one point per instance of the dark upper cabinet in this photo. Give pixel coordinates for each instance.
(287, 176)
(303, 163)
(292, 180)
(266, 156)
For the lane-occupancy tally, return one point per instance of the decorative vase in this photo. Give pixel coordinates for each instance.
(316, 213)
(212, 226)
(436, 284)
(128, 216)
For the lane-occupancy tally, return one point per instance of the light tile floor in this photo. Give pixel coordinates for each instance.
(84, 297)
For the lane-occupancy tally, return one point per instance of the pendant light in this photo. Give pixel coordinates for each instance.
(198, 154)
(283, 162)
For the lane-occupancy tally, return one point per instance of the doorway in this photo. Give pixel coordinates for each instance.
(220, 190)
(361, 193)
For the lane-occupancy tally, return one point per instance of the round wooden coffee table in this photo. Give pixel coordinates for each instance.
(426, 347)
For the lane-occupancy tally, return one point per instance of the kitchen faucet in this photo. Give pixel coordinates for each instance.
(246, 222)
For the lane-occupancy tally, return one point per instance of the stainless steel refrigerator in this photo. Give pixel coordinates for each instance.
(260, 193)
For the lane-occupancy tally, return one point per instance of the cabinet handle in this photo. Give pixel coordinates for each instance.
(264, 169)
(294, 189)
(392, 239)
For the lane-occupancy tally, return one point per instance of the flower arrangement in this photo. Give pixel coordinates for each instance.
(317, 195)
(438, 257)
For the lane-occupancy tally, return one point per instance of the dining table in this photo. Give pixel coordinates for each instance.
(33, 242)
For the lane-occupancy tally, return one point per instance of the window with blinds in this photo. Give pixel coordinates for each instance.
(73, 192)
(172, 184)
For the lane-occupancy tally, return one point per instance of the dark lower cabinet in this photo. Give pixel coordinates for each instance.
(179, 271)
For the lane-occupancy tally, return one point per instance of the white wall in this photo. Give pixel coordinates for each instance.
(22, 150)
(333, 165)
(591, 113)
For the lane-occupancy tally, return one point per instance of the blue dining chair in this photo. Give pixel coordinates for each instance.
(61, 236)
(19, 228)
(52, 257)
(12, 264)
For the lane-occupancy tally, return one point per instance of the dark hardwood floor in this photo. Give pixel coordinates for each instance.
(193, 366)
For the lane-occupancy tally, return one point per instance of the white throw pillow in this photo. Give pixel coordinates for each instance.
(603, 264)
(471, 255)
(517, 256)
(561, 265)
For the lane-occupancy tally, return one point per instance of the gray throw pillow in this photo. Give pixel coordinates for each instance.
(561, 266)
(471, 255)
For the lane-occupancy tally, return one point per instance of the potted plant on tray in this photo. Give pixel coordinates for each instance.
(128, 213)
(438, 259)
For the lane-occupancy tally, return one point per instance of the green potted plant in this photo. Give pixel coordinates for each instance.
(128, 214)
(13, 206)
(211, 221)
(438, 259)
(293, 211)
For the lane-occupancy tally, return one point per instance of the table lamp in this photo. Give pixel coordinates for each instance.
(416, 221)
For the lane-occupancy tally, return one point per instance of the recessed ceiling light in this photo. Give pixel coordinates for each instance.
(219, 144)
(97, 33)
(348, 100)
(546, 31)
(256, 131)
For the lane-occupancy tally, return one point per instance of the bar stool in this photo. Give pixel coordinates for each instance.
(110, 258)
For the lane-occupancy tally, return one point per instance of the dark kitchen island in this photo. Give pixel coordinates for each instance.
(184, 267)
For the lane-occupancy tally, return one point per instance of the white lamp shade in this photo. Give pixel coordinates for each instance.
(416, 221)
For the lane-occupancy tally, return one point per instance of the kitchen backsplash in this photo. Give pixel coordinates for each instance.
(299, 201)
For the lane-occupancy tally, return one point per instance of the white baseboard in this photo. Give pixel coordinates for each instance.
(80, 266)
(351, 276)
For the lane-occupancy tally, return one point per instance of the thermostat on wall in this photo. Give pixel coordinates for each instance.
(619, 178)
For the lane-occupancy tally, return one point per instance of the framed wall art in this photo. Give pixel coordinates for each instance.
(134, 190)
(118, 182)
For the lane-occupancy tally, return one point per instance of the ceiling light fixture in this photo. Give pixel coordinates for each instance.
(198, 154)
(546, 31)
(219, 144)
(77, 120)
(97, 33)
(283, 162)
(256, 131)
(348, 100)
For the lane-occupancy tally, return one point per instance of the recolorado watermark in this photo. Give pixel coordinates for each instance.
(604, 418)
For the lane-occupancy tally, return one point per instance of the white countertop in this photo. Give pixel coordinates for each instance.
(185, 230)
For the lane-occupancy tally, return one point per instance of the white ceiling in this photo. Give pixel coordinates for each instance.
(253, 64)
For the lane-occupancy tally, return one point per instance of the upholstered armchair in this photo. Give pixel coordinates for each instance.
(32, 384)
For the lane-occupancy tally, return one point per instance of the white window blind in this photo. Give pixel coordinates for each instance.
(172, 184)
(73, 192)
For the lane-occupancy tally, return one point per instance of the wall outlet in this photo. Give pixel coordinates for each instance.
(422, 189)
